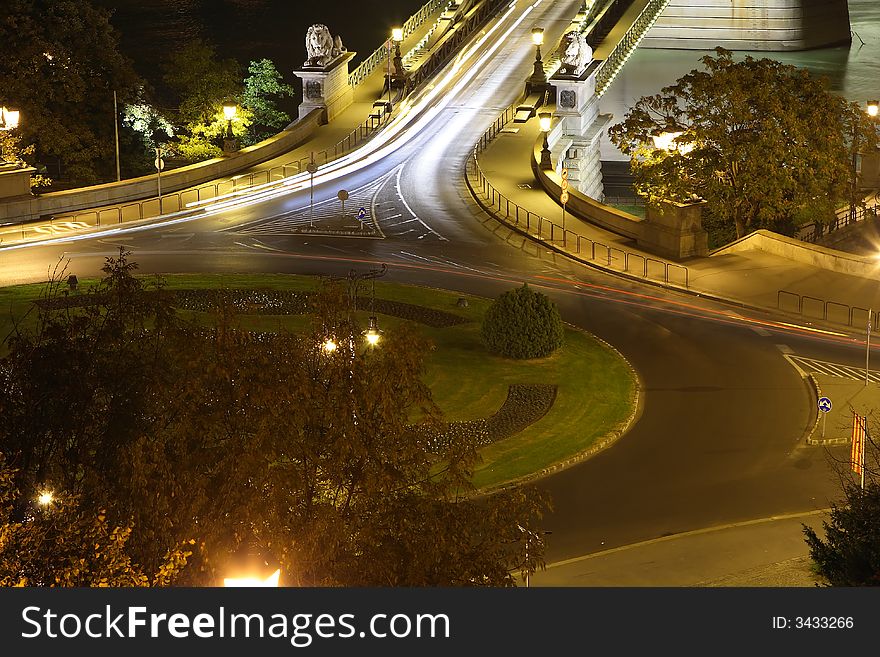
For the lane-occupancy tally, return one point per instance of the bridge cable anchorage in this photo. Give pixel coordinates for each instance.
(627, 45)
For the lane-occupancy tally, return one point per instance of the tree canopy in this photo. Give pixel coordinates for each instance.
(202, 437)
(61, 64)
(765, 144)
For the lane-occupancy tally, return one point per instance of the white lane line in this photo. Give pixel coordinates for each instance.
(394, 216)
(409, 209)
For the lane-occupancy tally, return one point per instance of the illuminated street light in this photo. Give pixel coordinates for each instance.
(546, 121)
(373, 334)
(873, 108)
(9, 118)
(329, 346)
(45, 498)
(539, 78)
(397, 35)
(230, 110)
(269, 582)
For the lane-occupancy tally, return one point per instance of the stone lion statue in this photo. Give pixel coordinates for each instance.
(576, 54)
(321, 48)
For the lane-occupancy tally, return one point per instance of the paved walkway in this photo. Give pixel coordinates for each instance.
(752, 278)
(766, 552)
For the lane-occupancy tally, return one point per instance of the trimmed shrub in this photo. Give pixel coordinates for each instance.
(522, 324)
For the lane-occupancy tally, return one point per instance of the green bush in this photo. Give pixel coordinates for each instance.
(522, 324)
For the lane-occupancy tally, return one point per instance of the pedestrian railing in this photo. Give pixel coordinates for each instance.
(627, 44)
(380, 55)
(816, 230)
(548, 232)
(829, 311)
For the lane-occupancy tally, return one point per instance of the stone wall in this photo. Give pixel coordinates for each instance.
(803, 252)
(771, 25)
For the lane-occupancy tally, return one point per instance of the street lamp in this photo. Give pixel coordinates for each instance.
(546, 121)
(373, 334)
(397, 38)
(45, 498)
(873, 108)
(9, 118)
(230, 110)
(329, 346)
(539, 78)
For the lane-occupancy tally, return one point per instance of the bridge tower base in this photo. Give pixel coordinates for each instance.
(327, 87)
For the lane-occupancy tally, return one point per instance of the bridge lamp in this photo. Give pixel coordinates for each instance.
(873, 108)
(546, 121)
(253, 582)
(329, 346)
(539, 78)
(45, 498)
(9, 118)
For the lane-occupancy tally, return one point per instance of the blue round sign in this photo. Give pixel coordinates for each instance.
(362, 214)
(824, 404)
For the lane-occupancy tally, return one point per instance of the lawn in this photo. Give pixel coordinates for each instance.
(596, 387)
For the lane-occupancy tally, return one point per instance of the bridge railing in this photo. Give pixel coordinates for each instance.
(177, 201)
(814, 231)
(826, 310)
(558, 237)
(380, 55)
(627, 44)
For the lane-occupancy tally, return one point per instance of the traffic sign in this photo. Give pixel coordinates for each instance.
(342, 195)
(564, 173)
(362, 214)
(564, 198)
(824, 404)
(159, 164)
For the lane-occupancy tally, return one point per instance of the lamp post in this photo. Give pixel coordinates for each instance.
(230, 110)
(397, 38)
(539, 78)
(546, 121)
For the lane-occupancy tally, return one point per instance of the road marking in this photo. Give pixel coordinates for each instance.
(806, 365)
(409, 209)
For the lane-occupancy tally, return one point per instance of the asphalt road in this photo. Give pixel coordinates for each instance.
(720, 435)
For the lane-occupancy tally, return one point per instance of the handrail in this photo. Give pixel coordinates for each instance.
(544, 230)
(609, 68)
(379, 55)
(824, 305)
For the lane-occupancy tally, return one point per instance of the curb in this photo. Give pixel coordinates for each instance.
(600, 444)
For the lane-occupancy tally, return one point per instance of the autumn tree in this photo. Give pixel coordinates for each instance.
(765, 144)
(61, 64)
(57, 542)
(327, 459)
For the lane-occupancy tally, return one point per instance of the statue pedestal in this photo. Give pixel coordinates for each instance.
(581, 129)
(327, 87)
(675, 230)
(15, 180)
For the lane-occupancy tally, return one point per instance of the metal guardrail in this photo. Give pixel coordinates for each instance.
(371, 63)
(829, 311)
(815, 231)
(177, 201)
(627, 45)
(544, 230)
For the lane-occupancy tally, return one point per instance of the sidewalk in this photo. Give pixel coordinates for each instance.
(750, 278)
(765, 552)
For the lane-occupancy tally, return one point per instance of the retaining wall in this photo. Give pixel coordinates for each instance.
(804, 253)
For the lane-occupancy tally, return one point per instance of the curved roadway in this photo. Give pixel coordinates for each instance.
(720, 433)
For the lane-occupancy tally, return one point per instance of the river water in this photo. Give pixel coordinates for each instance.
(252, 29)
(851, 70)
